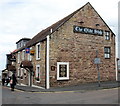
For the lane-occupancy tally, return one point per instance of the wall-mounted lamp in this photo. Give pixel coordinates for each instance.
(81, 22)
(97, 24)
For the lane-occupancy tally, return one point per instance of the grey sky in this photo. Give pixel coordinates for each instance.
(26, 18)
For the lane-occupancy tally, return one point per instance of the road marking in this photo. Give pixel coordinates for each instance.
(19, 90)
(14, 89)
(81, 91)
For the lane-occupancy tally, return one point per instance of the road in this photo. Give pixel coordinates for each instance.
(108, 96)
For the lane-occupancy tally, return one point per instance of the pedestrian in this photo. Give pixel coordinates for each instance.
(13, 82)
(3, 81)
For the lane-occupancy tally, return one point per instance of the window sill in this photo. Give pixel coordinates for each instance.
(38, 59)
(65, 78)
(107, 58)
(38, 81)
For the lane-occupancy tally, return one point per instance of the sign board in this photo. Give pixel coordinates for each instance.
(12, 57)
(27, 50)
(97, 61)
(32, 52)
(85, 30)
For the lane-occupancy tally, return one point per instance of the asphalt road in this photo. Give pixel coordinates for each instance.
(108, 96)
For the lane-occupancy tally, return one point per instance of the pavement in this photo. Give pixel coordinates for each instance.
(75, 88)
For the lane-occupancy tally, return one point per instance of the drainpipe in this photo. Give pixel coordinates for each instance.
(47, 65)
(117, 69)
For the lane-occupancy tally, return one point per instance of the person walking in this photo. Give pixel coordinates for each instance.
(3, 81)
(13, 82)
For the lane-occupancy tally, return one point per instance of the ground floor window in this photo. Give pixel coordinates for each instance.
(18, 73)
(37, 76)
(22, 71)
(107, 52)
(62, 70)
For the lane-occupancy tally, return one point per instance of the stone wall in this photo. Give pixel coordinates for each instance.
(35, 62)
(80, 50)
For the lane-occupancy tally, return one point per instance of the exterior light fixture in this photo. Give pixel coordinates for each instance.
(97, 24)
(81, 22)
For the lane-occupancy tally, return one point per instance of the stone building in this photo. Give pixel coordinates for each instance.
(67, 52)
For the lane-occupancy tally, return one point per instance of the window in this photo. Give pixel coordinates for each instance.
(37, 73)
(23, 55)
(22, 70)
(62, 70)
(18, 57)
(107, 52)
(29, 56)
(107, 35)
(18, 72)
(38, 51)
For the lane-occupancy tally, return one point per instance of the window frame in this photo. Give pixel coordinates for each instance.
(23, 55)
(22, 73)
(108, 52)
(18, 57)
(107, 35)
(18, 72)
(36, 74)
(29, 56)
(38, 51)
(58, 71)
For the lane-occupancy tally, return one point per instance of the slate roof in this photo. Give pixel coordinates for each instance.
(23, 39)
(42, 35)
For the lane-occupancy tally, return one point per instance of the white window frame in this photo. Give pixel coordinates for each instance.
(36, 74)
(18, 57)
(30, 55)
(58, 72)
(21, 73)
(18, 72)
(23, 55)
(107, 55)
(107, 35)
(38, 52)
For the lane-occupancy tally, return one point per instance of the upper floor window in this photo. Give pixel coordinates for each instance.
(23, 55)
(29, 56)
(18, 72)
(107, 52)
(18, 57)
(21, 73)
(107, 35)
(38, 51)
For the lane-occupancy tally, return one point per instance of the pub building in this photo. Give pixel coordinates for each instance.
(68, 52)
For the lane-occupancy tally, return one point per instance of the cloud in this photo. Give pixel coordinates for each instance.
(26, 18)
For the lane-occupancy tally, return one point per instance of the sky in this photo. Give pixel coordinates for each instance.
(26, 18)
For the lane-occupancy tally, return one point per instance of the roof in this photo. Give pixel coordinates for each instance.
(42, 35)
(23, 39)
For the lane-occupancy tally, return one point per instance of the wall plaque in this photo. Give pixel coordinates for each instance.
(85, 30)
